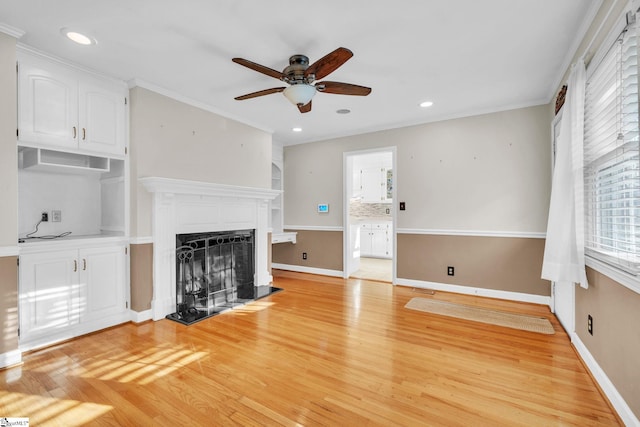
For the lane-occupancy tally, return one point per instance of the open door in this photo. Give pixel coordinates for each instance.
(370, 214)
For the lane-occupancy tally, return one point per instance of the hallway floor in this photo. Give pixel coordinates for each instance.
(374, 269)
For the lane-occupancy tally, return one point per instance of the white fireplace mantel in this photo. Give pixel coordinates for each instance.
(182, 206)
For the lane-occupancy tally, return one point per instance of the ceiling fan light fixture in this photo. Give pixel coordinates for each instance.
(299, 94)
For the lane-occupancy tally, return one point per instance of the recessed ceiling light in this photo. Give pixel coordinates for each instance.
(426, 104)
(297, 129)
(77, 37)
(343, 111)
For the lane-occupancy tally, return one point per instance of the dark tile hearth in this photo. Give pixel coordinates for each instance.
(192, 315)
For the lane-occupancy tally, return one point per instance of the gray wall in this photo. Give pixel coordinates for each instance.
(490, 172)
(8, 195)
(171, 139)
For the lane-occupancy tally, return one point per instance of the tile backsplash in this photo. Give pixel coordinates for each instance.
(369, 211)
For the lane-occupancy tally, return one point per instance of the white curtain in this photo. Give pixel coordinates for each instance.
(564, 248)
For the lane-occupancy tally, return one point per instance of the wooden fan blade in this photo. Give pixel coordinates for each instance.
(260, 93)
(343, 88)
(329, 63)
(305, 108)
(260, 68)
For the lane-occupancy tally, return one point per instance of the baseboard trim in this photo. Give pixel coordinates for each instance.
(616, 399)
(311, 270)
(10, 358)
(140, 316)
(482, 292)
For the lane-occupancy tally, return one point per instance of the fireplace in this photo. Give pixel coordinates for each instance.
(181, 207)
(214, 273)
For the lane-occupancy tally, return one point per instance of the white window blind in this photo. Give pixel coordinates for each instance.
(611, 156)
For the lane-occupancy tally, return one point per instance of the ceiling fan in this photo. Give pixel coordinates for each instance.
(300, 76)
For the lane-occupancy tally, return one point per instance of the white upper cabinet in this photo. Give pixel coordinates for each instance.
(65, 108)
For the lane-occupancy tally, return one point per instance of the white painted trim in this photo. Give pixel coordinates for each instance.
(311, 270)
(140, 316)
(141, 240)
(622, 277)
(200, 188)
(474, 233)
(10, 358)
(194, 103)
(594, 7)
(11, 31)
(9, 251)
(616, 399)
(314, 227)
(482, 292)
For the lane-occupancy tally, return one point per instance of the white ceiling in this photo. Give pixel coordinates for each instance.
(467, 56)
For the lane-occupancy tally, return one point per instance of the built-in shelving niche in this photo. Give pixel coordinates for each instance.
(89, 192)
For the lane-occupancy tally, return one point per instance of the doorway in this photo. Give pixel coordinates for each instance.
(370, 214)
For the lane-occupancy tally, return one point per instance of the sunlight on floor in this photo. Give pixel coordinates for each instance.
(252, 307)
(139, 367)
(48, 411)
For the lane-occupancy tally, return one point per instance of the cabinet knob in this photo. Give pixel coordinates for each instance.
(84, 264)
(84, 134)
(75, 265)
(75, 132)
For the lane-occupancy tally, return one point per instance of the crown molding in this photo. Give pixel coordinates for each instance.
(12, 31)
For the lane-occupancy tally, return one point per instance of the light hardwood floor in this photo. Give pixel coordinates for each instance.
(325, 351)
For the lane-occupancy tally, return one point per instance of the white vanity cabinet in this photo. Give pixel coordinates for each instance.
(376, 239)
(65, 108)
(66, 291)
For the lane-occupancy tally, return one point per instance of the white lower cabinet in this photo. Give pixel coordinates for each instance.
(376, 240)
(70, 292)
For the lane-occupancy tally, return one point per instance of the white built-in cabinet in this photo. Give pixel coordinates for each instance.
(72, 160)
(376, 239)
(65, 108)
(69, 292)
(373, 178)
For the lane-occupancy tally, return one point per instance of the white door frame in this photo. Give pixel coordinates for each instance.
(346, 191)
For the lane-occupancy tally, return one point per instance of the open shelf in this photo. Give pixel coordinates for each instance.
(62, 162)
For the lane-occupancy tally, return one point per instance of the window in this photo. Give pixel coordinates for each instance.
(611, 156)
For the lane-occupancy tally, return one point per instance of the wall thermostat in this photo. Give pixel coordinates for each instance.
(323, 207)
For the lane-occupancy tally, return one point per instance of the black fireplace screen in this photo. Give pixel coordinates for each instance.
(214, 272)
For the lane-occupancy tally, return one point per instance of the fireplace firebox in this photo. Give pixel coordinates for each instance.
(214, 273)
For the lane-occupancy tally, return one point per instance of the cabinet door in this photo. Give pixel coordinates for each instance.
(365, 240)
(101, 115)
(102, 278)
(47, 106)
(372, 185)
(379, 240)
(48, 292)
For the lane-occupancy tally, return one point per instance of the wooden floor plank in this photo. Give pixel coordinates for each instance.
(324, 352)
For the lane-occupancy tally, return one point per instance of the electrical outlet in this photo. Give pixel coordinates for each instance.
(304, 255)
(450, 271)
(56, 216)
(590, 324)
(44, 217)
